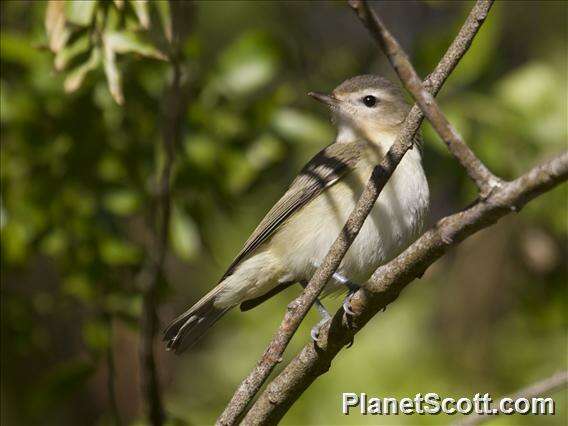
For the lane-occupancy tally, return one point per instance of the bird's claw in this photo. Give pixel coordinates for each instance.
(315, 331)
(347, 304)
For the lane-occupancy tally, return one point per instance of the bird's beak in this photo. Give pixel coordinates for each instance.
(323, 98)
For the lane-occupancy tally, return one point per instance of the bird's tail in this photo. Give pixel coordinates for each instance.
(187, 329)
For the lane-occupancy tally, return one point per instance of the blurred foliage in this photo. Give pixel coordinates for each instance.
(78, 183)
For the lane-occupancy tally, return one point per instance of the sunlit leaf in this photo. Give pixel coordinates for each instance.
(264, 151)
(114, 79)
(122, 202)
(16, 237)
(183, 234)
(67, 53)
(240, 173)
(76, 76)
(163, 8)
(529, 88)
(142, 12)
(57, 33)
(54, 243)
(80, 12)
(110, 168)
(130, 42)
(77, 285)
(301, 127)
(248, 64)
(201, 151)
(118, 252)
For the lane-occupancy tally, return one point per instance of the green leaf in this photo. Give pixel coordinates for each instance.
(248, 64)
(69, 52)
(301, 127)
(122, 202)
(481, 54)
(54, 243)
(80, 12)
(16, 237)
(239, 172)
(529, 89)
(110, 168)
(163, 8)
(75, 78)
(117, 252)
(130, 42)
(184, 236)
(95, 334)
(78, 285)
(201, 151)
(17, 49)
(265, 151)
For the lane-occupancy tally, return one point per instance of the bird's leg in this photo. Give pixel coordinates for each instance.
(325, 316)
(351, 289)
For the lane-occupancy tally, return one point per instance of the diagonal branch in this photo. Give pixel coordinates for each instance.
(477, 171)
(298, 308)
(390, 279)
(547, 386)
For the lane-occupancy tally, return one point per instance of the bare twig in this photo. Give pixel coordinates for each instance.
(544, 387)
(299, 307)
(174, 108)
(175, 105)
(390, 279)
(476, 170)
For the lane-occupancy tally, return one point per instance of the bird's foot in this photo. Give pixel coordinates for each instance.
(319, 306)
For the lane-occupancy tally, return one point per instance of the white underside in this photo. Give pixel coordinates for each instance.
(301, 243)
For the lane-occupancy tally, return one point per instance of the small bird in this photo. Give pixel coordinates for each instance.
(296, 234)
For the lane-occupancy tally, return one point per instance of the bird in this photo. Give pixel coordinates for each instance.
(292, 240)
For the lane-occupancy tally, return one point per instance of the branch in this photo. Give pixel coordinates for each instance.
(544, 387)
(298, 308)
(111, 372)
(390, 279)
(476, 170)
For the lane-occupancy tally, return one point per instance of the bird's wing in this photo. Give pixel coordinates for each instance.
(322, 171)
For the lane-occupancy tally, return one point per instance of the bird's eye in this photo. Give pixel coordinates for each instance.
(370, 101)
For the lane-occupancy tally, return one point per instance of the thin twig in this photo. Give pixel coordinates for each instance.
(477, 171)
(151, 277)
(543, 387)
(299, 307)
(390, 279)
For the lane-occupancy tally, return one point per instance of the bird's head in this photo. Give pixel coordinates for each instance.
(366, 104)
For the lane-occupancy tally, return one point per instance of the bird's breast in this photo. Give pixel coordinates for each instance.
(395, 220)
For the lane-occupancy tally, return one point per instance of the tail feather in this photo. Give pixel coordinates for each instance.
(189, 327)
